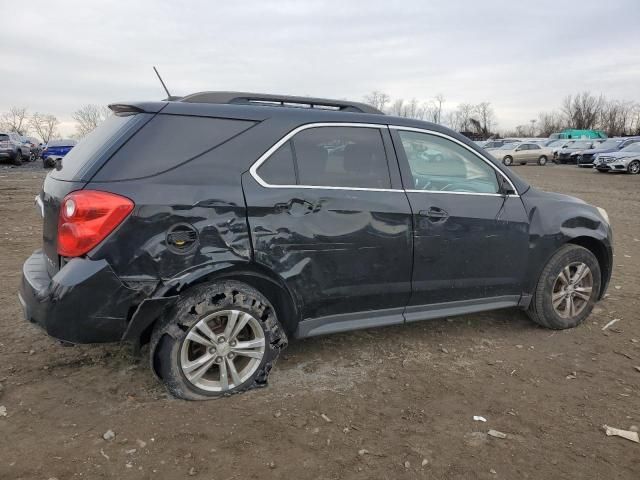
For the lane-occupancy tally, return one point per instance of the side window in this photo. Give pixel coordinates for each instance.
(533, 146)
(522, 147)
(439, 164)
(279, 168)
(351, 157)
(165, 142)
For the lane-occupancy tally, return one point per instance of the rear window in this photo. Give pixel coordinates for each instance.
(61, 143)
(166, 142)
(3, 137)
(90, 148)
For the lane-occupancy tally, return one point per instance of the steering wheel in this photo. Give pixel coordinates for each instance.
(457, 187)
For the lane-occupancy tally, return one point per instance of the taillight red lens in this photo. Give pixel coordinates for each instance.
(87, 217)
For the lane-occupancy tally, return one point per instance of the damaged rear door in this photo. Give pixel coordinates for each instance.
(328, 215)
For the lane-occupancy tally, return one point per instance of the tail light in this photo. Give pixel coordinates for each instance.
(87, 217)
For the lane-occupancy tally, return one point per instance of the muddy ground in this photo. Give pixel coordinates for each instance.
(400, 400)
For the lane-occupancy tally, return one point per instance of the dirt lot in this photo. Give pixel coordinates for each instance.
(400, 400)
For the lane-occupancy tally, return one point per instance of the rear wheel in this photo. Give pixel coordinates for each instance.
(17, 160)
(542, 161)
(507, 160)
(218, 340)
(634, 167)
(567, 289)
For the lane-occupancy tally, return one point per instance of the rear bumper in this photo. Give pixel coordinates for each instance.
(85, 302)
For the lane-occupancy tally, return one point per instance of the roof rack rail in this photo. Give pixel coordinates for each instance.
(244, 98)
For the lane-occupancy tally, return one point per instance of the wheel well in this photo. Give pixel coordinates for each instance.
(599, 250)
(259, 278)
(277, 294)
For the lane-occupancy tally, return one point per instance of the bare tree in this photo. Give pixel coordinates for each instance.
(454, 120)
(15, 120)
(485, 116)
(377, 100)
(414, 110)
(616, 117)
(45, 126)
(89, 117)
(438, 102)
(582, 110)
(465, 112)
(549, 122)
(399, 108)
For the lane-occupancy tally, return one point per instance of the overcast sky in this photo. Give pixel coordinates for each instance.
(523, 57)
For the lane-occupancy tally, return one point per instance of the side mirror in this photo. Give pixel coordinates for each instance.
(505, 186)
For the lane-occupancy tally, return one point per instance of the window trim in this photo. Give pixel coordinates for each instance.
(253, 170)
(266, 155)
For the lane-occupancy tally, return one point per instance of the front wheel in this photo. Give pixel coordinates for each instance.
(507, 160)
(542, 161)
(218, 340)
(17, 160)
(567, 289)
(634, 167)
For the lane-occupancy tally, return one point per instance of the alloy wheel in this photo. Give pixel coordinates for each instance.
(222, 350)
(572, 290)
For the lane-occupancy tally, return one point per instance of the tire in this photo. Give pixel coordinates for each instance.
(17, 160)
(634, 167)
(507, 160)
(542, 309)
(542, 161)
(175, 353)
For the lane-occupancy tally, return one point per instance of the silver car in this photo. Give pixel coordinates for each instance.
(522, 153)
(13, 148)
(625, 160)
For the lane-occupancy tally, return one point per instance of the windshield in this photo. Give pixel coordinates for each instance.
(580, 145)
(634, 147)
(609, 144)
(61, 143)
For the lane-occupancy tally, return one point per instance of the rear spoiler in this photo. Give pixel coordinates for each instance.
(136, 107)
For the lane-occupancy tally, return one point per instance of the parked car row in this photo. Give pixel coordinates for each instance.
(18, 149)
(610, 154)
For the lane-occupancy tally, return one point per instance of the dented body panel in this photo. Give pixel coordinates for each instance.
(339, 258)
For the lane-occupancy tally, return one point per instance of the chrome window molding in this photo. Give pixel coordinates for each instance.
(253, 170)
(265, 156)
(481, 157)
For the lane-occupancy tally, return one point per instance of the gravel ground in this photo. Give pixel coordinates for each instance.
(389, 403)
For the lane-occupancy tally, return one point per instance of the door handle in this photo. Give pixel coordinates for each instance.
(434, 213)
(295, 206)
(282, 207)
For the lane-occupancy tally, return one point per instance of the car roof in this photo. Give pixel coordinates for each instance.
(287, 113)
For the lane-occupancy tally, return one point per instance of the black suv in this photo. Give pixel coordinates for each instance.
(218, 225)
